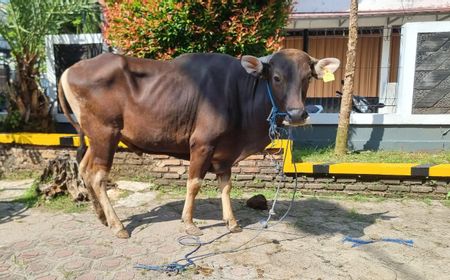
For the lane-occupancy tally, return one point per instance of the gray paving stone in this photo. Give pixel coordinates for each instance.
(136, 200)
(306, 245)
(47, 277)
(134, 186)
(124, 275)
(77, 264)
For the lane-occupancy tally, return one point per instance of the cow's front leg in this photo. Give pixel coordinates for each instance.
(200, 161)
(192, 187)
(227, 210)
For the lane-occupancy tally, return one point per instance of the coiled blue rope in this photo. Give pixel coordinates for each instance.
(359, 242)
(177, 266)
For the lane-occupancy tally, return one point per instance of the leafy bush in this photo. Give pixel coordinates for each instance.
(165, 29)
(12, 122)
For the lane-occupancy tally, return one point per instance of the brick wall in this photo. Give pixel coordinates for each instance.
(256, 171)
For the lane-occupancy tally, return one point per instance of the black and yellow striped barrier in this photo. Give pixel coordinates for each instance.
(43, 139)
(309, 168)
(358, 168)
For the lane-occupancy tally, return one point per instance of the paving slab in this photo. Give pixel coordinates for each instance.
(12, 189)
(40, 244)
(134, 186)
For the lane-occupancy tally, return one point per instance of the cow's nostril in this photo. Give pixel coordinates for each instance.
(297, 115)
(304, 115)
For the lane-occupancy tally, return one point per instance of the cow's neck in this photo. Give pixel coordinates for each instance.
(255, 108)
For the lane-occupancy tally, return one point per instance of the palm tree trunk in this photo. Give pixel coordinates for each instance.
(30, 100)
(346, 101)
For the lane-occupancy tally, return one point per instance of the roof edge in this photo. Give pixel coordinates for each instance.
(370, 13)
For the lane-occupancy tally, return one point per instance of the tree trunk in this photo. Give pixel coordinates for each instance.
(346, 101)
(31, 102)
(61, 177)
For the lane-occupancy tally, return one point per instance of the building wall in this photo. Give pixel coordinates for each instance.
(432, 76)
(375, 137)
(369, 6)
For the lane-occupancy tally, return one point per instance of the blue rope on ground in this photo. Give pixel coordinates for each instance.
(173, 267)
(358, 242)
(176, 266)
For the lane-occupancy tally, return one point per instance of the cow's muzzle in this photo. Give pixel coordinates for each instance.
(296, 117)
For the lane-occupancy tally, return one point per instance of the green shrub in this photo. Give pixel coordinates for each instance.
(12, 122)
(166, 29)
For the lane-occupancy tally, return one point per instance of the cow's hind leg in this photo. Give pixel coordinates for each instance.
(199, 164)
(227, 210)
(86, 163)
(103, 146)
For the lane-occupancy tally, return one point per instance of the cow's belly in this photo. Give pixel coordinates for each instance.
(158, 125)
(155, 139)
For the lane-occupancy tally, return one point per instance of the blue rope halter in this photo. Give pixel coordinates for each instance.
(274, 114)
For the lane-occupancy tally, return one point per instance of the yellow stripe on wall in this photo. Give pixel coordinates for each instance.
(399, 169)
(39, 139)
(285, 146)
(441, 170)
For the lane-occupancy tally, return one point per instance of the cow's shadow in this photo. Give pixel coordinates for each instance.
(311, 216)
(10, 211)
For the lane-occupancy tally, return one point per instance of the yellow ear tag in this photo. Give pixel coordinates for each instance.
(328, 76)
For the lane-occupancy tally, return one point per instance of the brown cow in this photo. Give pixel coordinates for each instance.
(210, 109)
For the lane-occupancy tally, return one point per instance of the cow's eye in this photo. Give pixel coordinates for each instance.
(276, 78)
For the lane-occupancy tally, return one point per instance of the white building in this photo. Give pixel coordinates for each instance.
(403, 61)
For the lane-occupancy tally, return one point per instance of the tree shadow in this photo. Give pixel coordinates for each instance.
(311, 216)
(10, 211)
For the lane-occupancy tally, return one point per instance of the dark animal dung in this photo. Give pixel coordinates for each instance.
(258, 202)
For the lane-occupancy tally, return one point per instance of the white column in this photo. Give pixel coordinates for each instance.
(407, 66)
(384, 65)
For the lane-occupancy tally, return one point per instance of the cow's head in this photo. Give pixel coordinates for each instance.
(289, 72)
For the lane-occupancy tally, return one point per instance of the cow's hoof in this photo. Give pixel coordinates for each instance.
(103, 221)
(122, 234)
(193, 230)
(235, 228)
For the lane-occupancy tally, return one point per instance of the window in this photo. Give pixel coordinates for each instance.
(62, 52)
(333, 43)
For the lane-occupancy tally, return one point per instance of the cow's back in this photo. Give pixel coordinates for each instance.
(157, 104)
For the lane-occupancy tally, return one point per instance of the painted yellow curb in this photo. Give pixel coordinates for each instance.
(43, 139)
(38, 139)
(441, 170)
(285, 147)
(361, 168)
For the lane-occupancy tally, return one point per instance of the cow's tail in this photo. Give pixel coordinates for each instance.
(65, 108)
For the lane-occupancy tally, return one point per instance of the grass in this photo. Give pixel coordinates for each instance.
(446, 203)
(327, 155)
(205, 191)
(124, 194)
(269, 193)
(30, 197)
(139, 177)
(346, 197)
(62, 203)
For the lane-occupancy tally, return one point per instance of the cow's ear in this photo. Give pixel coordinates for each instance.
(252, 65)
(329, 64)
